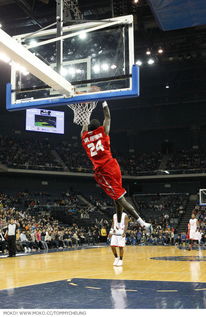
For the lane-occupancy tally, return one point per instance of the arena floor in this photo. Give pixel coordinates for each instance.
(152, 277)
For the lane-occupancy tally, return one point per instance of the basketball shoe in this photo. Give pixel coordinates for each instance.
(116, 261)
(120, 263)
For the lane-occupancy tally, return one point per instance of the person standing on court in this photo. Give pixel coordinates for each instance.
(118, 236)
(2, 242)
(11, 236)
(194, 234)
(96, 142)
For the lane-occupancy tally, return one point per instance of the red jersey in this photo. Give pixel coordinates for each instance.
(97, 146)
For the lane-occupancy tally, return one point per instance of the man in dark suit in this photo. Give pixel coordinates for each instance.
(11, 237)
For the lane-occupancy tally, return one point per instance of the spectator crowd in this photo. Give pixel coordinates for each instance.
(166, 209)
(41, 231)
(42, 154)
(37, 233)
(187, 161)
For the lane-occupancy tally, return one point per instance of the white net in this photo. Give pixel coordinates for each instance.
(82, 111)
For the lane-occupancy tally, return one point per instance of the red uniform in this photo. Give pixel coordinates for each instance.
(107, 172)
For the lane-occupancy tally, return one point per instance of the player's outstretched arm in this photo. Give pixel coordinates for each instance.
(84, 128)
(107, 117)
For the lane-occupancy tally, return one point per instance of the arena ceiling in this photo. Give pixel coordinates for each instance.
(19, 16)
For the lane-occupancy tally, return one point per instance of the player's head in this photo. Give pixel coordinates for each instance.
(94, 124)
(193, 216)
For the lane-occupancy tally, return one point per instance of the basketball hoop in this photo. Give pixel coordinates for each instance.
(82, 111)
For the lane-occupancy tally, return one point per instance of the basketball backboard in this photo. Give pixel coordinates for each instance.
(98, 62)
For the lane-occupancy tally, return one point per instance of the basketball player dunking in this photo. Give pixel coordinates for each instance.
(107, 173)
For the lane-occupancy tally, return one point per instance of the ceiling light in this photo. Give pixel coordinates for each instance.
(160, 51)
(71, 71)
(105, 67)
(150, 61)
(139, 63)
(78, 71)
(96, 69)
(167, 86)
(63, 71)
(113, 66)
(148, 52)
(83, 35)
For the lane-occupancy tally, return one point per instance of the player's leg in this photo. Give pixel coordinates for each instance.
(122, 202)
(121, 253)
(114, 251)
(119, 210)
(110, 180)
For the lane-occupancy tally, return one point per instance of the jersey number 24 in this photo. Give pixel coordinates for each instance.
(94, 148)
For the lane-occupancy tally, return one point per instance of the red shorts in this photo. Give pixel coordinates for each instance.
(109, 178)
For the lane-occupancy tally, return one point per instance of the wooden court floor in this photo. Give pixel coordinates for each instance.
(164, 270)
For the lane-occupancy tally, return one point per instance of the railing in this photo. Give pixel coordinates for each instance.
(81, 171)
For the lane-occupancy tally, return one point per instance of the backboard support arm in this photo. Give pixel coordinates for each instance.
(19, 54)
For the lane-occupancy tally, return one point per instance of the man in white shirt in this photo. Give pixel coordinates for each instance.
(118, 235)
(25, 242)
(194, 234)
(11, 233)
